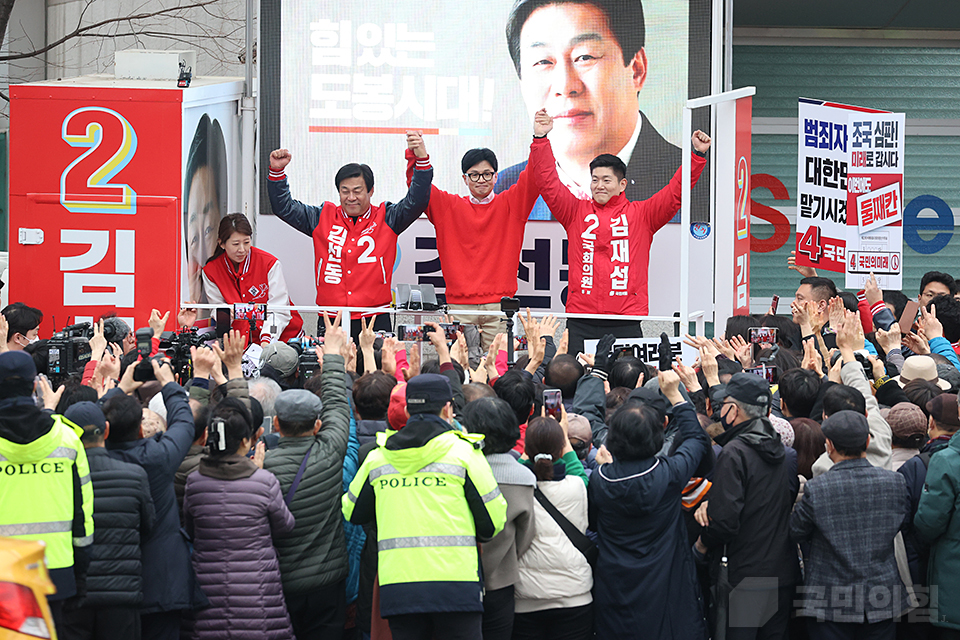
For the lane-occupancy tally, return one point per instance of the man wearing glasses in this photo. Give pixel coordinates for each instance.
(479, 238)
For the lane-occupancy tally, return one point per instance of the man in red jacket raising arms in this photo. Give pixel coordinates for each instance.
(609, 236)
(355, 243)
(481, 224)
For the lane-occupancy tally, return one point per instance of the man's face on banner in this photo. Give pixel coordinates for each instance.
(571, 64)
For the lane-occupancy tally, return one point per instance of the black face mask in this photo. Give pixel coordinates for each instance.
(723, 421)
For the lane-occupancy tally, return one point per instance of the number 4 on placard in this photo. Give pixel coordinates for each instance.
(809, 244)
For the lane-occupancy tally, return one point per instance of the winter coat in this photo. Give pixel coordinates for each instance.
(914, 472)
(367, 430)
(500, 555)
(122, 515)
(553, 573)
(188, 466)
(169, 583)
(937, 523)
(754, 489)
(315, 554)
(645, 576)
(234, 510)
(851, 516)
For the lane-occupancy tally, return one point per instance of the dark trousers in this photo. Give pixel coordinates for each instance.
(585, 329)
(318, 614)
(574, 623)
(102, 623)
(775, 627)
(426, 626)
(498, 614)
(164, 625)
(826, 630)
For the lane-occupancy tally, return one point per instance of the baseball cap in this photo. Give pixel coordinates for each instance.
(847, 430)
(281, 357)
(749, 389)
(17, 364)
(428, 393)
(652, 398)
(297, 405)
(905, 419)
(88, 416)
(943, 409)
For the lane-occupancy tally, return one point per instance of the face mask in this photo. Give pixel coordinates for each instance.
(724, 420)
(29, 342)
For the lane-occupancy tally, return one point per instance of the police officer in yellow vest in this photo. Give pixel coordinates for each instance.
(45, 490)
(434, 498)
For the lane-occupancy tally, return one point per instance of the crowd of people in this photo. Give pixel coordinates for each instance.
(385, 496)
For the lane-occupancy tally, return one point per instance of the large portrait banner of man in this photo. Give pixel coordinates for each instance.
(342, 82)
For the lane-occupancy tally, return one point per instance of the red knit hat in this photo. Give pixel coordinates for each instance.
(397, 409)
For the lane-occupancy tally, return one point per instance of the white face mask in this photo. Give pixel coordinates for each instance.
(29, 342)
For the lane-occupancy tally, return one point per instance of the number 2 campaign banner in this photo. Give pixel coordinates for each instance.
(849, 192)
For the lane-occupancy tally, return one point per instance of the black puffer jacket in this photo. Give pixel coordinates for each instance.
(122, 514)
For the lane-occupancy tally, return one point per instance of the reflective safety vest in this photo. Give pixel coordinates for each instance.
(39, 485)
(432, 502)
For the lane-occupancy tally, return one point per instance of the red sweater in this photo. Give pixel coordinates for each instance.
(479, 244)
(609, 249)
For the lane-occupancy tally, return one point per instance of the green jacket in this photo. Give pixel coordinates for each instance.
(315, 553)
(433, 497)
(938, 522)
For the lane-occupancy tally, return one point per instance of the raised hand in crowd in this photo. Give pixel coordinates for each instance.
(367, 338)
(459, 352)
(548, 326)
(564, 344)
(388, 356)
(98, 343)
(232, 353)
(700, 342)
(187, 317)
(205, 361)
(670, 386)
(837, 312)
(603, 455)
(4, 330)
(931, 327)
(259, 453)
(542, 123)
(108, 368)
(812, 359)
(701, 141)
(872, 291)
(806, 272)
(849, 335)
(834, 374)
(743, 350)
(49, 397)
(415, 143)
(350, 357)
(334, 338)
(725, 348)
(157, 322)
(802, 316)
(163, 371)
(917, 342)
(279, 159)
(127, 384)
(491, 361)
(688, 375)
(876, 364)
(889, 340)
(536, 349)
(439, 342)
(708, 364)
(603, 359)
(414, 355)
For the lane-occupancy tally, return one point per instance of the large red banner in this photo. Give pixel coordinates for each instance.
(741, 243)
(94, 201)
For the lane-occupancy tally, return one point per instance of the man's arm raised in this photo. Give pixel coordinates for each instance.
(302, 217)
(401, 215)
(563, 204)
(664, 204)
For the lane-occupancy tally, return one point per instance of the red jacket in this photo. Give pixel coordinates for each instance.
(479, 244)
(609, 245)
(353, 257)
(259, 279)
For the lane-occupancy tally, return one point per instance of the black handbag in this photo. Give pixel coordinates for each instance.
(583, 544)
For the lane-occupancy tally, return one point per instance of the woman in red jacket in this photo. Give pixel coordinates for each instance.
(239, 272)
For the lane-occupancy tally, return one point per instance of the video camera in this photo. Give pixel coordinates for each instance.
(173, 345)
(69, 352)
(307, 360)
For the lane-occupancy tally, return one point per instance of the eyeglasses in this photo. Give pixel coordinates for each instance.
(486, 175)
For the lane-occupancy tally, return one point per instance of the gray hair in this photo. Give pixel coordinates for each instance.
(265, 391)
(750, 411)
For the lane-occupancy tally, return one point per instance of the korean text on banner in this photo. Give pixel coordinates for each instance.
(875, 200)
